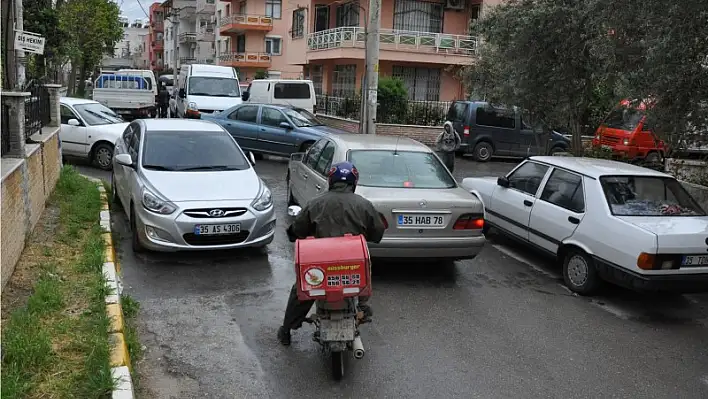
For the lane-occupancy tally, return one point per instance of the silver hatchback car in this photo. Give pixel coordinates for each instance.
(427, 215)
(187, 185)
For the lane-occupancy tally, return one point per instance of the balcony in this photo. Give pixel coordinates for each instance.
(239, 23)
(207, 61)
(255, 60)
(395, 45)
(158, 26)
(187, 60)
(158, 45)
(187, 37)
(206, 6)
(206, 34)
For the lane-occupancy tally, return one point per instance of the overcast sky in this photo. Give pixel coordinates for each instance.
(131, 8)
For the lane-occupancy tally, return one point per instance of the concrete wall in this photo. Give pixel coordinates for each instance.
(424, 134)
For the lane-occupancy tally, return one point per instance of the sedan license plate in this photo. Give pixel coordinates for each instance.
(216, 229)
(337, 330)
(421, 220)
(695, 260)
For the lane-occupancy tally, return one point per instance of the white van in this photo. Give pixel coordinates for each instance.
(147, 75)
(297, 93)
(206, 89)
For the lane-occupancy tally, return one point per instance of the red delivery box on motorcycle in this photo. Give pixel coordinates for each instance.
(332, 269)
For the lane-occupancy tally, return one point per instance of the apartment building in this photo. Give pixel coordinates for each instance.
(254, 36)
(156, 42)
(189, 32)
(133, 33)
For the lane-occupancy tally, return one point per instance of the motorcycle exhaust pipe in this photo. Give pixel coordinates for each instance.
(358, 347)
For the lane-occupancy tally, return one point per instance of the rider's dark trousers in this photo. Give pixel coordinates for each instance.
(296, 311)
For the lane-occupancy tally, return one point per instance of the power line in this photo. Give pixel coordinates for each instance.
(142, 8)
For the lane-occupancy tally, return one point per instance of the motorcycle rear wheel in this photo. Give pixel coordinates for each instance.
(338, 365)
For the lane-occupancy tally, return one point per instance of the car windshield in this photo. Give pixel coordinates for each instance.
(648, 196)
(624, 118)
(192, 151)
(301, 117)
(97, 114)
(404, 169)
(214, 87)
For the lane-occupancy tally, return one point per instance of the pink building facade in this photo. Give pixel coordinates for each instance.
(155, 40)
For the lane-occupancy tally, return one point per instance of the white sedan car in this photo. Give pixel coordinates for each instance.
(604, 220)
(89, 130)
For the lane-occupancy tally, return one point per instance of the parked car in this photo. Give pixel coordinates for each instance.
(128, 95)
(296, 93)
(426, 213)
(89, 130)
(488, 131)
(187, 185)
(272, 129)
(603, 220)
(204, 89)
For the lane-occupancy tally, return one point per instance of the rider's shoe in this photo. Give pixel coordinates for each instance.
(284, 335)
(368, 313)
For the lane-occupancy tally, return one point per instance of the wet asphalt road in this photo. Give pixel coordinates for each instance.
(499, 326)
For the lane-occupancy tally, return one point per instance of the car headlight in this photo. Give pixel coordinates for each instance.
(154, 204)
(192, 106)
(625, 141)
(264, 200)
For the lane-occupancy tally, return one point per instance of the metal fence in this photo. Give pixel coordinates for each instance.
(5, 129)
(402, 112)
(36, 108)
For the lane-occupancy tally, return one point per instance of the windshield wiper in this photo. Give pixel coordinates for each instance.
(212, 167)
(159, 167)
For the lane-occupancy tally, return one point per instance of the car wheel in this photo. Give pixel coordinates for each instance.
(291, 199)
(137, 245)
(483, 152)
(103, 156)
(555, 150)
(580, 274)
(653, 158)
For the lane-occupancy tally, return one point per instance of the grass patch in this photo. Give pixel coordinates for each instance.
(131, 307)
(56, 345)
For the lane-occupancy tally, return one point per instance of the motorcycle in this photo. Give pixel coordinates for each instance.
(334, 272)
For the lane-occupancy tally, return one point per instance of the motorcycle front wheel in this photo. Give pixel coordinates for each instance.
(338, 365)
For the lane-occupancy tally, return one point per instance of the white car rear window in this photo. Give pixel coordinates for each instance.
(648, 196)
(400, 169)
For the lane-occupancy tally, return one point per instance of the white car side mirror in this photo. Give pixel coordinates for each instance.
(124, 159)
(294, 210)
(73, 122)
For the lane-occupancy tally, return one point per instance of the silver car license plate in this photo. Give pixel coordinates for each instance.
(216, 229)
(337, 330)
(695, 260)
(417, 220)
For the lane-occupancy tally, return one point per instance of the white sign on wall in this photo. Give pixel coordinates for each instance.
(29, 42)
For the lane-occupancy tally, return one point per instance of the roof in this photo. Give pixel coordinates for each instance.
(282, 80)
(355, 141)
(211, 70)
(76, 101)
(181, 125)
(595, 168)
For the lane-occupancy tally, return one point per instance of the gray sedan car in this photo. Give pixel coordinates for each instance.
(427, 215)
(187, 185)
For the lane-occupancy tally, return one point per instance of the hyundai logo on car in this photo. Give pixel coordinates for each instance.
(216, 213)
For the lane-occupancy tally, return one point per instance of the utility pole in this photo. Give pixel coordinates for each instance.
(19, 54)
(372, 66)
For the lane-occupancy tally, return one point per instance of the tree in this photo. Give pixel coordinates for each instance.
(542, 55)
(392, 100)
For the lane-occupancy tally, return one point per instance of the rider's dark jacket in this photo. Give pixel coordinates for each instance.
(163, 97)
(338, 212)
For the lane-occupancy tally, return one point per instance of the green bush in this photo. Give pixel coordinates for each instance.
(393, 101)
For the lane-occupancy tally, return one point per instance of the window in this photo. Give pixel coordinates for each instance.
(404, 169)
(344, 84)
(291, 90)
(648, 196)
(184, 151)
(134, 144)
(240, 44)
(423, 84)
(272, 117)
(457, 112)
(216, 87)
(565, 190)
(272, 45)
(246, 113)
(97, 114)
(313, 154)
(273, 8)
(302, 117)
(347, 14)
(128, 135)
(495, 117)
(298, 30)
(325, 159)
(623, 118)
(65, 114)
(316, 76)
(418, 16)
(528, 177)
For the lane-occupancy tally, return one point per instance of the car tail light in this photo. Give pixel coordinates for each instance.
(466, 131)
(383, 219)
(647, 261)
(469, 222)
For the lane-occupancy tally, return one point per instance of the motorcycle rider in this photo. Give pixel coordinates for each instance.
(337, 212)
(163, 100)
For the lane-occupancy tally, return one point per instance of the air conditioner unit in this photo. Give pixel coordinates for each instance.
(455, 4)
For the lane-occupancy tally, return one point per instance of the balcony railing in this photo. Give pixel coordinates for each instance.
(158, 44)
(206, 34)
(246, 21)
(187, 60)
(206, 6)
(187, 37)
(245, 58)
(158, 26)
(390, 39)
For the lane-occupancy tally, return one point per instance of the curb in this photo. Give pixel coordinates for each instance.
(120, 360)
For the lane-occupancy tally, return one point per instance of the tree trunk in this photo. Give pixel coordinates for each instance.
(71, 85)
(82, 80)
(577, 142)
